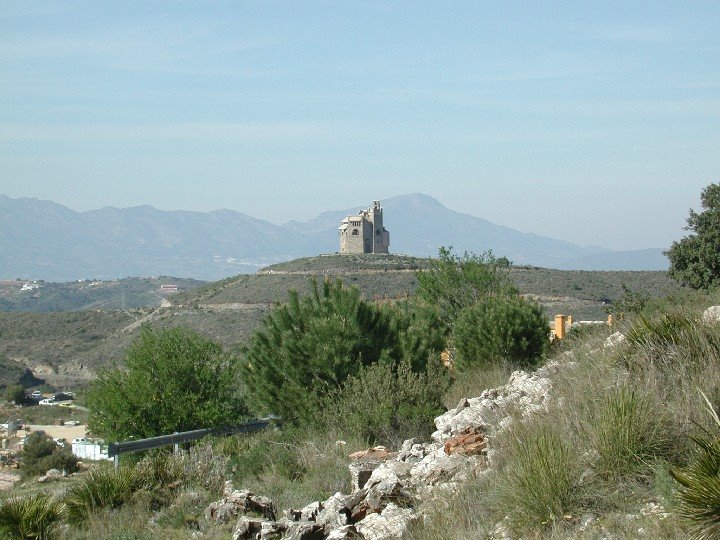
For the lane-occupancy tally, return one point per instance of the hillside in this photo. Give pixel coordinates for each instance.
(45, 240)
(67, 347)
(28, 296)
(585, 294)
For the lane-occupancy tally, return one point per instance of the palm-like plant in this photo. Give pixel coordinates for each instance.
(700, 493)
(102, 488)
(30, 518)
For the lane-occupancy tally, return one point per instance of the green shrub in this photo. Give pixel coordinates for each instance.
(538, 483)
(175, 380)
(268, 452)
(129, 522)
(15, 393)
(473, 381)
(500, 329)
(34, 517)
(630, 303)
(451, 283)
(387, 404)
(102, 488)
(675, 343)
(161, 469)
(163, 474)
(186, 512)
(629, 434)
(40, 454)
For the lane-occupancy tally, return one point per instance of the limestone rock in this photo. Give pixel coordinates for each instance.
(272, 530)
(308, 513)
(239, 502)
(412, 451)
(247, 529)
(365, 462)
(348, 532)
(711, 314)
(438, 467)
(228, 488)
(380, 494)
(470, 441)
(50, 475)
(525, 392)
(379, 453)
(305, 531)
(391, 489)
(614, 340)
(390, 525)
(339, 509)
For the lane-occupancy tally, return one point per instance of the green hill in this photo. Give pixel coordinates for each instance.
(584, 294)
(66, 348)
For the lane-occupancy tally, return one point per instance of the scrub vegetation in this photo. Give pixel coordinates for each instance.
(627, 446)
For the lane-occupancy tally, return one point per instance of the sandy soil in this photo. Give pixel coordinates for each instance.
(61, 432)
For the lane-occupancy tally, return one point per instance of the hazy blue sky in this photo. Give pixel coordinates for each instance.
(594, 121)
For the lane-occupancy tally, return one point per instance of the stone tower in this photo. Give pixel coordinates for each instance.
(364, 232)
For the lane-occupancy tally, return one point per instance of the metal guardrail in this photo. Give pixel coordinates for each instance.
(117, 448)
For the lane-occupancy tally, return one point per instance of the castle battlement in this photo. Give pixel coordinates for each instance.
(364, 232)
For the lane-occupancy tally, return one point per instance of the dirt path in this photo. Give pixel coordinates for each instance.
(61, 432)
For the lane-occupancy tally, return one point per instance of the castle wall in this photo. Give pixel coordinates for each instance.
(364, 232)
(353, 238)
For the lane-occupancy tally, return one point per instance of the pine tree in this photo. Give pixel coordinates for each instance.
(309, 346)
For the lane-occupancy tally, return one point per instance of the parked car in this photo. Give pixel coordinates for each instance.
(48, 401)
(37, 395)
(63, 396)
(71, 423)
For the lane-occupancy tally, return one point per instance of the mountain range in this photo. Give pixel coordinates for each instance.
(44, 240)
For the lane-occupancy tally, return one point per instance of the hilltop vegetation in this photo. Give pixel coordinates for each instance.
(584, 294)
(69, 346)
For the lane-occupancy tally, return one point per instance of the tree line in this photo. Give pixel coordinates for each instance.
(328, 357)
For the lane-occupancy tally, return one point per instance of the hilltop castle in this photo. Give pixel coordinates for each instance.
(364, 232)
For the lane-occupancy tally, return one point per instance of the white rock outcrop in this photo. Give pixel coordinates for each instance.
(618, 338)
(711, 314)
(389, 489)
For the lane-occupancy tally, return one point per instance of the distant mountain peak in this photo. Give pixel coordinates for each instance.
(45, 240)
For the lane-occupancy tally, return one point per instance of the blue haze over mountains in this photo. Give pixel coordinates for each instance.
(45, 240)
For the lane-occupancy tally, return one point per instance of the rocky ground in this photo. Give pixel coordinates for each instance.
(393, 489)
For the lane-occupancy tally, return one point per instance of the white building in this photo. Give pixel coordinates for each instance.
(94, 449)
